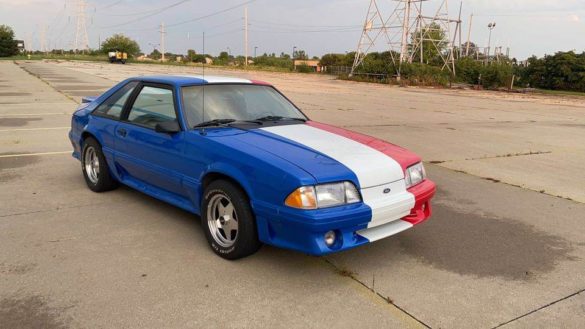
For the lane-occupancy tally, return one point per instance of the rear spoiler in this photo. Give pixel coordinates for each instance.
(88, 99)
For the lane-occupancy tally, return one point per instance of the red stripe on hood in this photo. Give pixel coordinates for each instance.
(404, 157)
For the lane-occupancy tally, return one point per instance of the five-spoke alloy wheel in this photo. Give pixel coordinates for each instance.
(228, 221)
(95, 168)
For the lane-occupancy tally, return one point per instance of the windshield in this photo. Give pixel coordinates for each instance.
(235, 102)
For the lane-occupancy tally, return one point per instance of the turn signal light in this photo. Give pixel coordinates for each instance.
(302, 198)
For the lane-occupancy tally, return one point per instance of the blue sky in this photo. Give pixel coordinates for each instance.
(526, 26)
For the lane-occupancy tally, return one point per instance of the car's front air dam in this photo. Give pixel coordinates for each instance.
(423, 193)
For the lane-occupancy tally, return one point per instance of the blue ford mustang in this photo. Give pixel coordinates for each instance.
(250, 163)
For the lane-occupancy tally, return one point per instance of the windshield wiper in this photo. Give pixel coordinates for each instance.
(215, 122)
(224, 122)
(279, 118)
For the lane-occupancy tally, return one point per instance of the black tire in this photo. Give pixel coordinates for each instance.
(246, 239)
(102, 181)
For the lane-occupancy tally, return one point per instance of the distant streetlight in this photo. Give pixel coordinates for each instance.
(491, 26)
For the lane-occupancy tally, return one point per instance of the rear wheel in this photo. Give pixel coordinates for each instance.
(95, 168)
(228, 221)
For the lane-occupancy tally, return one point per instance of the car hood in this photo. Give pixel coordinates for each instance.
(332, 154)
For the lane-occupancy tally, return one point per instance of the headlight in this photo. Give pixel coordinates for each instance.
(414, 175)
(323, 196)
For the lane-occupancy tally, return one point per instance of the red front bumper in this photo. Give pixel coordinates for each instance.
(423, 193)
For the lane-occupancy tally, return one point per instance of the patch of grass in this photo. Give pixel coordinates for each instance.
(559, 92)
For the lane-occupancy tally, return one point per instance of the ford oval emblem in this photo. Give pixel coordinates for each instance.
(386, 190)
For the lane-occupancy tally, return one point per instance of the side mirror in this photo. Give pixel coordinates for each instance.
(169, 127)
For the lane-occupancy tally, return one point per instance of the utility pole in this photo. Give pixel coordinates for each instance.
(246, 36)
(459, 28)
(469, 35)
(255, 48)
(162, 40)
(491, 26)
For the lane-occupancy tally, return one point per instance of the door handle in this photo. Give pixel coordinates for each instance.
(122, 132)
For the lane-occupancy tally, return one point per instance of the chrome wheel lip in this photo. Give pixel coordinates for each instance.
(91, 164)
(222, 218)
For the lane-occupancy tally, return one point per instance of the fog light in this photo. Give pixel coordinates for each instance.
(329, 238)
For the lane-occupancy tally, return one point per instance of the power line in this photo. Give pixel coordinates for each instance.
(212, 14)
(150, 11)
(158, 11)
(303, 25)
(310, 31)
(110, 5)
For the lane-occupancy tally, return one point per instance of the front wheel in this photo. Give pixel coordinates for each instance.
(228, 221)
(95, 168)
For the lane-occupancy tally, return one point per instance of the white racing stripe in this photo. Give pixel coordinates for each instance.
(371, 167)
(217, 79)
(375, 171)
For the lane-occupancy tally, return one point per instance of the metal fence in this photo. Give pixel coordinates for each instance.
(337, 70)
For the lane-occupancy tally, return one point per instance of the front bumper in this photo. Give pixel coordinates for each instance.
(303, 230)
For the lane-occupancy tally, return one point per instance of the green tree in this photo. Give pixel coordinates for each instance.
(224, 56)
(300, 54)
(332, 60)
(191, 54)
(561, 71)
(155, 54)
(434, 43)
(121, 42)
(8, 46)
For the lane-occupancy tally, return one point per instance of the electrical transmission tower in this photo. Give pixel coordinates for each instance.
(43, 39)
(81, 38)
(408, 33)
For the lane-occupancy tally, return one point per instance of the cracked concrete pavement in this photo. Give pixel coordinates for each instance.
(501, 249)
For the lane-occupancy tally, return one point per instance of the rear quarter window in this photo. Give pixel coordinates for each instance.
(113, 106)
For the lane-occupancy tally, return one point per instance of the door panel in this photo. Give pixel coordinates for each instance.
(144, 154)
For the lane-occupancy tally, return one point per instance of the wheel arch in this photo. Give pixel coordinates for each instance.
(85, 135)
(212, 176)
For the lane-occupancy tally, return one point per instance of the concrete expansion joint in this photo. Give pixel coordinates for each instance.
(381, 298)
(46, 82)
(507, 155)
(494, 180)
(540, 308)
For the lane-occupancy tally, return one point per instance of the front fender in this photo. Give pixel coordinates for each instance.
(232, 172)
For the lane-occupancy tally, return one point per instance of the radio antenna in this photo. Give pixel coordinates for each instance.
(204, 82)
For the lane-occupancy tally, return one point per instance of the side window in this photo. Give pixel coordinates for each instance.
(152, 106)
(112, 107)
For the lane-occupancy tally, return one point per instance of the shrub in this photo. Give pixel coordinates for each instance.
(496, 75)
(304, 68)
(425, 75)
(468, 70)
